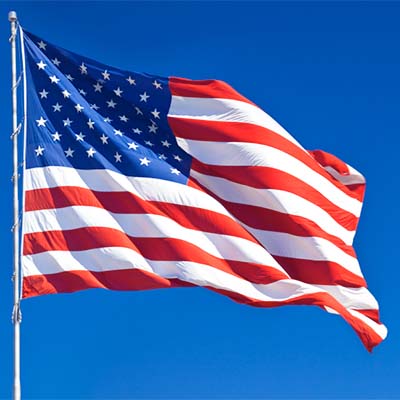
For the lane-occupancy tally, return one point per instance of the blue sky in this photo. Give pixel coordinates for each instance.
(329, 73)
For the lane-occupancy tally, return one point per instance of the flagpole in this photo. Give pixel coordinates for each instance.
(16, 315)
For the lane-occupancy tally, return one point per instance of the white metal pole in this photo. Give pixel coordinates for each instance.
(16, 317)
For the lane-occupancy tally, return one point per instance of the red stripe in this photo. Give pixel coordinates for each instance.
(330, 273)
(313, 272)
(371, 314)
(204, 89)
(167, 249)
(270, 178)
(72, 281)
(368, 336)
(327, 159)
(222, 131)
(128, 203)
(320, 272)
(317, 272)
(358, 189)
(189, 217)
(67, 282)
(270, 220)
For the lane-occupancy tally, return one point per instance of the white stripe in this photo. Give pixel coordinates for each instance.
(148, 226)
(96, 260)
(380, 329)
(119, 258)
(276, 200)
(213, 109)
(358, 298)
(171, 192)
(115, 258)
(221, 246)
(252, 154)
(350, 179)
(354, 172)
(155, 189)
(104, 180)
(305, 248)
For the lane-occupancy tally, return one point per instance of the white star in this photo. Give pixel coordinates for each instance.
(133, 146)
(67, 122)
(57, 107)
(66, 94)
(78, 108)
(144, 97)
(131, 81)
(153, 128)
(82, 92)
(94, 107)
(117, 157)
(144, 161)
(138, 111)
(90, 124)
(70, 77)
(56, 136)
(149, 143)
(42, 45)
(157, 85)
(41, 64)
(39, 151)
(137, 130)
(104, 139)
(123, 118)
(69, 152)
(80, 137)
(118, 132)
(83, 69)
(165, 143)
(56, 61)
(177, 158)
(118, 91)
(97, 87)
(156, 113)
(106, 75)
(175, 171)
(91, 152)
(41, 121)
(162, 157)
(43, 94)
(107, 120)
(54, 79)
(111, 103)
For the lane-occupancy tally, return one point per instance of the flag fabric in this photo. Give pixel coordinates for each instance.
(134, 181)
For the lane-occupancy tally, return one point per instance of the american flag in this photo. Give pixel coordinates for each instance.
(135, 181)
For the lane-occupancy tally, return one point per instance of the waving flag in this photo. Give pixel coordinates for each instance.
(135, 181)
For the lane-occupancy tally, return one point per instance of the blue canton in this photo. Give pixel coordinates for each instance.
(87, 115)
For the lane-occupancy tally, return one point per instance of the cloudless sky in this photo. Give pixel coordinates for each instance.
(330, 74)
